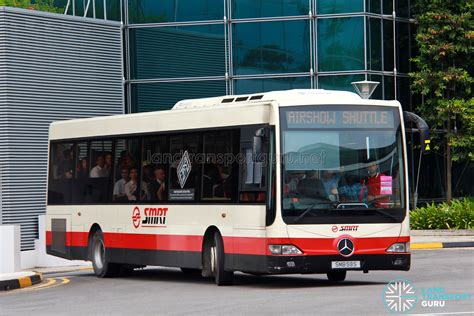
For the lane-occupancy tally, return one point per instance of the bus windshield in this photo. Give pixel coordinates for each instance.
(342, 164)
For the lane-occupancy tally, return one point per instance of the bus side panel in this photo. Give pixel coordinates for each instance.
(58, 236)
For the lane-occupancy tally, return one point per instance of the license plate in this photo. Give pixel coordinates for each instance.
(345, 264)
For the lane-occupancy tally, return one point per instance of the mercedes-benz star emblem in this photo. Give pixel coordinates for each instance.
(345, 247)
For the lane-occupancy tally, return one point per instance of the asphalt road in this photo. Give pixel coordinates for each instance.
(169, 291)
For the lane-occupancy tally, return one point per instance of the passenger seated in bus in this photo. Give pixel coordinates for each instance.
(108, 163)
(125, 161)
(157, 186)
(223, 189)
(373, 185)
(119, 187)
(312, 187)
(66, 167)
(147, 177)
(291, 186)
(131, 187)
(352, 190)
(82, 169)
(99, 170)
(330, 181)
(211, 178)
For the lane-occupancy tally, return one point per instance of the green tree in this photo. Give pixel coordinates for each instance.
(443, 76)
(39, 5)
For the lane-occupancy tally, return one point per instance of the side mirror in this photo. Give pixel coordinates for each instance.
(257, 144)
(423, 129)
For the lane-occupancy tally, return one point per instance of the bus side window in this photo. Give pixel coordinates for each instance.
(125, 181)
(253, 174)
(218, 176)
(61, 173)
(80, 189)
(100, 170)
(185, 167)
(155, 160)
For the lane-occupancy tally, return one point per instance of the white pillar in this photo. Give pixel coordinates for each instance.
(10, 248)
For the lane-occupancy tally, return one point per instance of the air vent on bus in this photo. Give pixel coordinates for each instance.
(228, 100)
(241, 99)
(256, 97)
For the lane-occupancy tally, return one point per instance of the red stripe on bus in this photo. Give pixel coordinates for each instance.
(235, 245)
(154, 242)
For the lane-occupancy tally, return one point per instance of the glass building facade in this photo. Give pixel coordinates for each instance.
(179, 49)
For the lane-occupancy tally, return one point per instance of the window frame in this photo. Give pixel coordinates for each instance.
(236, 184)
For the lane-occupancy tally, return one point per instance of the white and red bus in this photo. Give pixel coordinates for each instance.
(299, 181)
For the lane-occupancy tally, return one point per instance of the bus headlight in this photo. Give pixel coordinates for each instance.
(284, 250)
(399, 247)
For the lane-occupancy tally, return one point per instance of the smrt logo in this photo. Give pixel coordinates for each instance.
(152, 217)
(345, 228)
(136, 217)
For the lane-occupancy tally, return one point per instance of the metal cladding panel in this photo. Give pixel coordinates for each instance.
(52, 67)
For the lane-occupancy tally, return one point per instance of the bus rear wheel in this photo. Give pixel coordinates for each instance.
(337, 276)
(102, 267)
(217, 257)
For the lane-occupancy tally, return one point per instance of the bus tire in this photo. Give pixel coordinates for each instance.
(337, 276)
(102, 268)
(221, 276)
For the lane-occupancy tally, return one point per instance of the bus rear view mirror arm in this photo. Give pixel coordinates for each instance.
(423, 129)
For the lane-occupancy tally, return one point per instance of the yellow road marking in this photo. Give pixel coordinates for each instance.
(428, 245)
(50, 283)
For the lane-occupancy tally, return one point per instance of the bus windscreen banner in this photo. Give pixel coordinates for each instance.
(339, 119)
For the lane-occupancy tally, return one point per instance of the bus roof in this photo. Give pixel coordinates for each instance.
(281, 96)
(225, 111)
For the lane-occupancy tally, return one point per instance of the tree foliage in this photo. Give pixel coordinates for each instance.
(39, 5)
(445, 65)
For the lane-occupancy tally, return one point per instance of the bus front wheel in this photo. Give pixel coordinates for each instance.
(102, 267)
(217, 254)
(337, 276)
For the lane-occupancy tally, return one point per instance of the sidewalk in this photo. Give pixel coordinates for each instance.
(435, 239)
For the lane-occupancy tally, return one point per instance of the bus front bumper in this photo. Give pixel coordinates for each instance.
(324, 264)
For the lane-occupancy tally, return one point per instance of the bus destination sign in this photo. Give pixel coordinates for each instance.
(339, 119)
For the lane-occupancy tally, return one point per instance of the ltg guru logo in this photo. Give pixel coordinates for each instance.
(401, 296)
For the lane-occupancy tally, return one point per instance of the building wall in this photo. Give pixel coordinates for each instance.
(52, 67)
(199, 48)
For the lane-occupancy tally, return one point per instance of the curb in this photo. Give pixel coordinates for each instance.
(20, 282)
(440, 245)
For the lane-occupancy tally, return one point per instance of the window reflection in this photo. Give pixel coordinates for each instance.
(339, 6)
(271, 84)
(153, 11)
(268, 8)
(162, 96)
(335, 50)
(374, 48)
(271, 47)
(339, 82)
(171, 52)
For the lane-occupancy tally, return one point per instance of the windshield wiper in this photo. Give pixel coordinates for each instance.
(305, 212)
